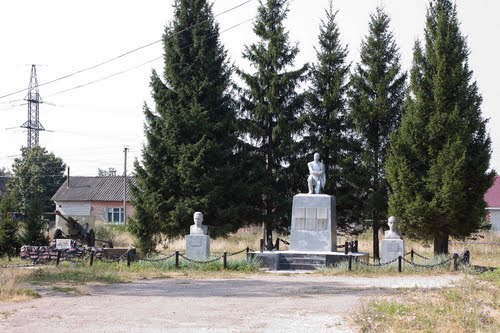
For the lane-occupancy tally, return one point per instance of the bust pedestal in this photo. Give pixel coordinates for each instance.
(198, 247)
(391, 249)
(314, 223)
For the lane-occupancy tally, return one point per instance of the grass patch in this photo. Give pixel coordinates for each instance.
(492, 276)
(69, 290)
(472, 306)
(13, 289)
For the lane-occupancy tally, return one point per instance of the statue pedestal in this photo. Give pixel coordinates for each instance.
(198, 247)
(391, 249)
(314, 223)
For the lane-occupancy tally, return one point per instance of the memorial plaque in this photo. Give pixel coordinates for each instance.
(196, 241)
(300, 218)
(311, 218)
(62, 244)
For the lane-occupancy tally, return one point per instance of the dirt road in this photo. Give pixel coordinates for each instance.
(260, 303)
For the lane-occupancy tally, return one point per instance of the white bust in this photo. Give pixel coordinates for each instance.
(198, 228)
(393, 232)
(317, 178)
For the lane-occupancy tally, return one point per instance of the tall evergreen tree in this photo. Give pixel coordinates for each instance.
(330, 131)
(376, 99)
(439, 160)
(271, 109)
(189, 161)
(37, 175)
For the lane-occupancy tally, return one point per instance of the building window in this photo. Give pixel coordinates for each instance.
(115, 215)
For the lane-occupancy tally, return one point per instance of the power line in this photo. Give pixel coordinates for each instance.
(126, 53)
(143, 64)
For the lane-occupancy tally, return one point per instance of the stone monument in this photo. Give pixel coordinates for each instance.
(393, 244)
(198, 241)
(314, 215)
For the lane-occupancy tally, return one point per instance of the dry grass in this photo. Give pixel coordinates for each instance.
(481, 254)
(472, 306)
(232, 243)
(13, 287)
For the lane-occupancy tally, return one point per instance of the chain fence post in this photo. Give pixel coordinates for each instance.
(400, 264)
(224, 260)
(356, 245)
(412, 254)
(455, 261)
(346, 247)
(467, 258)
(261, 245)
(128, 258)
(277, 244)
(92, 258)
(58, 257)
(176, 259)
(350, 263)
(248, 250)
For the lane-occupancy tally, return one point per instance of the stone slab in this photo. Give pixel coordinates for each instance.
(314, 223)
(391, 249)
(198, 247)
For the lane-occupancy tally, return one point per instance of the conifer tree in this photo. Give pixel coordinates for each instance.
(9, 228)
(37, 175)
(189, 160)
(438, 164)
(330, 131)
(271, 108)
(376, 99)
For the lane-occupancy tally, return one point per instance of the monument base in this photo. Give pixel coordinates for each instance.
(198, 247)
(392, 249)
(314, 223)
(300, 260)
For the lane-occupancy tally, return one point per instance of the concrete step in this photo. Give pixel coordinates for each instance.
(299, 266)
(302, 261)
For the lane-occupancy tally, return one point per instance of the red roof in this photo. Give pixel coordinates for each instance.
(492, 196)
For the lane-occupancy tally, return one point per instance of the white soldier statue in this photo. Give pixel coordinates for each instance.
(198, 228)
(393, 232)
(317, 178)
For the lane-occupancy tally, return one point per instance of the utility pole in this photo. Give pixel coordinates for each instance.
(125, 150)
(34, 100)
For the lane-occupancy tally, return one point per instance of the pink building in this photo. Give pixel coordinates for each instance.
(492, 198)
(95, 199)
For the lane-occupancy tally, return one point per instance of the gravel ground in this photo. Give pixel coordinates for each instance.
(260, 303)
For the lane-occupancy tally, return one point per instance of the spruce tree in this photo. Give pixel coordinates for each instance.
(190, 156)
(271, 108)
(330, 131)
(376, 99)
(438, 164)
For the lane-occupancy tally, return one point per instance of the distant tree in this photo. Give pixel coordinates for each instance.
(5, 172)
(376, 100)
(106, 173)
(330, 131)
(37, 175)
(271, 108)
(9, 228)
(190, 159)
(438, 165)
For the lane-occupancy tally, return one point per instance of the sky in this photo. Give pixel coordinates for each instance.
(91, 116)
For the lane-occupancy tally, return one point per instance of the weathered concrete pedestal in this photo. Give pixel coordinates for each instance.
(313, 237)
(314, 223)
(392, 249)
(198, 247)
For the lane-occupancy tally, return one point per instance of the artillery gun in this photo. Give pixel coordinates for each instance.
(82, 232)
